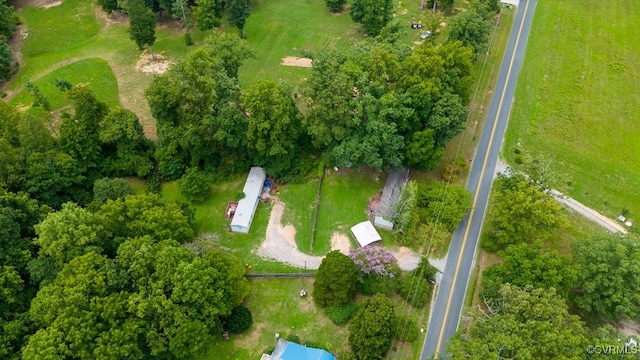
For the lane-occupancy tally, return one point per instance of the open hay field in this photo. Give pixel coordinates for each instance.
(577, 101)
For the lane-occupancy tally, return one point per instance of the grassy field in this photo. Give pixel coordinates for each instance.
(277, 308)
(577, 100)
(300, 200)
(94, 72)
(344, 202)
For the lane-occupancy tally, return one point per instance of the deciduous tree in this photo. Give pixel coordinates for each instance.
(335, 5)
(526, 264)
(207, 14)
(372, 14)
(528, 324)
(372, 328)
(142, 25)
(522, 213)
(195, 185)
(237, 13)
(110, 189)
(70, 232)
(123, 144)
(335, 280)
(274, 123)
(146, 214)
(472, 29)
(608, 276)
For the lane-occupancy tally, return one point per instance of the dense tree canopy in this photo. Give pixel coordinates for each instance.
(372, 14)
(372, 328)
(196, 104)
(335, 280)
(527, 324)
(383, 101)
(523, 212)
(154, 299)
(273, 124)
(608, 276)
(123, 144)
(533, 265)
(472, 29)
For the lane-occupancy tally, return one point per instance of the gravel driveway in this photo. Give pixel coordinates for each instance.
(280, 245)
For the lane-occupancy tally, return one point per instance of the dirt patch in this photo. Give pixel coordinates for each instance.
(147, 65)
(340, 242)
(407, 258)
(443, 24)
(280, 243)
(374, 203)
(296, 61)
(50, 4)
(115, 17)
(629, 328)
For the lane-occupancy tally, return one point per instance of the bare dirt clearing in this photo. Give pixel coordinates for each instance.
(296, 61)
(148, 65)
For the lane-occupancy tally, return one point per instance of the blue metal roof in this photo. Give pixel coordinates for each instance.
(293, 351)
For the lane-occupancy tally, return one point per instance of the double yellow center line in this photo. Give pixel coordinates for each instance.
(477, 190)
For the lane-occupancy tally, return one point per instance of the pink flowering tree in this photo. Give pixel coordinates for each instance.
(378, 269)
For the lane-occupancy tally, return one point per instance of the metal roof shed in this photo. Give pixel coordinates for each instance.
(241, 222)
(391, 194)
(365, 233)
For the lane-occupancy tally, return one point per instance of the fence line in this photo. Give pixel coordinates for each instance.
(281, 276)
(315, 213)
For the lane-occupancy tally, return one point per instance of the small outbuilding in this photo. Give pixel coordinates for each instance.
(365, 233)
(241, 222)
(391, 194)
(286, 350)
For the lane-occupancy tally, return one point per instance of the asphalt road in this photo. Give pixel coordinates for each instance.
(445, 315)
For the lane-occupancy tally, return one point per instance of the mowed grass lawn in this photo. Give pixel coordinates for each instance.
(577, 100)
(280, 28)
(95, 73)
(299, 211)
(277, 307)
(344, 202)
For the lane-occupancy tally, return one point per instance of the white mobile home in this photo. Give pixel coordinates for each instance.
(241, 222)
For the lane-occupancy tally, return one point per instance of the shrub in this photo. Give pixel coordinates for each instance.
(195, 185)
(407, 329)
(425, 270)
(239, 320)
(110, 189)
(415, 290)
(335, 5)
(372, 327)
(340, 314)
(374, 284)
